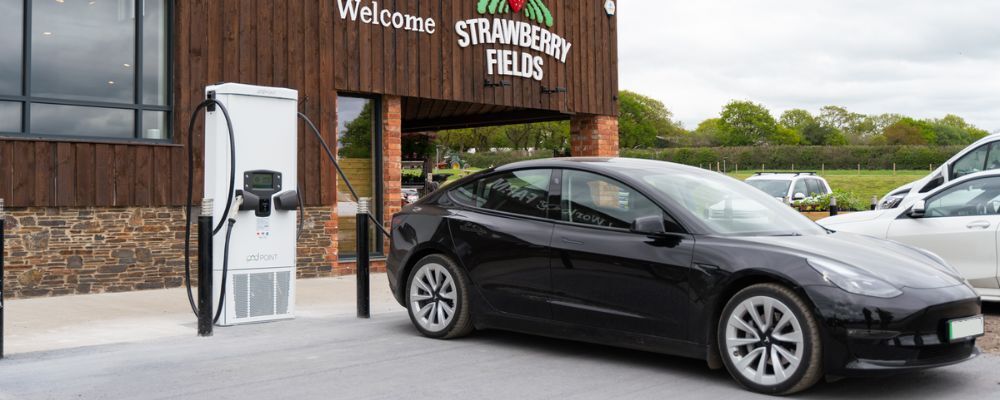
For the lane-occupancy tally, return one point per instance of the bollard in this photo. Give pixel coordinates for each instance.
(205, 308)
(874, 202)
(3, 218)
(833, 206)
(364, 298)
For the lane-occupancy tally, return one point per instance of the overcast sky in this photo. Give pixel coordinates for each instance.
(923, 58)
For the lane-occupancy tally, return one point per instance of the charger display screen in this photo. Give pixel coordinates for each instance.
(262, 181)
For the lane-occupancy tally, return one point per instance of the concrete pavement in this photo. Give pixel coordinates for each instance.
(53, 323)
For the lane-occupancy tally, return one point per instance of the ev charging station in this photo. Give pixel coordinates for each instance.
(258, 263)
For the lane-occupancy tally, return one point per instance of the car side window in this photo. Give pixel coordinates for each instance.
(993, 160)
(974, 198)
(597, 200)
(970, 163)
(522, 192)
(815, 187)
(801, 187)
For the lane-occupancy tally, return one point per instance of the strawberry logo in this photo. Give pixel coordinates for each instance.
(535, 10)
(516, 5)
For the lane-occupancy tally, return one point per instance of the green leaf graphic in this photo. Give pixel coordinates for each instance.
(535, 10)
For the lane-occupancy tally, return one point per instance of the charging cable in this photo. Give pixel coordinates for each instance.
(207, 104)
(333, 159)
(225, 256)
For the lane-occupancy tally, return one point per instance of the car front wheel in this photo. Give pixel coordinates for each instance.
(769, 340)
(437, 298)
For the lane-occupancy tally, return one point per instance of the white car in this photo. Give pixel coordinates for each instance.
(959, 221)
(983, 155)
(792, 186)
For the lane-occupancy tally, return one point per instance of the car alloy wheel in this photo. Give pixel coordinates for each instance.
(433, 297)
(770, 340)
(437, 299)
(764, 340)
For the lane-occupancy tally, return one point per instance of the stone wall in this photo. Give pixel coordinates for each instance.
(60, 251)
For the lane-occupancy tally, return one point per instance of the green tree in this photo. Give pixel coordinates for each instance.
(908, 131)
(785, 136)
(821, 135)
(744, 123)
(797, 119)
(708, 134)
(642, 119)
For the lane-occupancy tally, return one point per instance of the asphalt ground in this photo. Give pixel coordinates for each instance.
(384, 358)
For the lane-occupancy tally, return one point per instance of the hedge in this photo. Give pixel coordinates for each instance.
(805, 157)
(771, 157)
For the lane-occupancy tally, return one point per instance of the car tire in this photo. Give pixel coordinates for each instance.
(437, 298)
(766, 325)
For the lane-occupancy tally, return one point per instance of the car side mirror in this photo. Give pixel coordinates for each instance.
(799, 197)
(918, 210)
(652, 224)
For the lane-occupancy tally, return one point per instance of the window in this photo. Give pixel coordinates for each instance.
(974, 198)
(596, 200)
(519, 192)
(816, 188)
(468, 195)
(358, 133)
(85, 68)
(801, 188)
(773, 187)
(970, 163)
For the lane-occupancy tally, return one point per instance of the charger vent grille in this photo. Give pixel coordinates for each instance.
(261, 294)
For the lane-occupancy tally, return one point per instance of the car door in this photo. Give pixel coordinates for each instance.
(502, 237)
(605, 276)
(960, 224)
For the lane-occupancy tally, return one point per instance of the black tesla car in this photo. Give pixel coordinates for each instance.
(673, 259)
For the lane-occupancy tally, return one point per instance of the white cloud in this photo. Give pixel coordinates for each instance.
(922, 58)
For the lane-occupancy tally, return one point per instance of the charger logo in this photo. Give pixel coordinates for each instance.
(536, 10)
(262, 257)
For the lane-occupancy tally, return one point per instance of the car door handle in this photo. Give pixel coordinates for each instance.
(978, 225)
(571, 241)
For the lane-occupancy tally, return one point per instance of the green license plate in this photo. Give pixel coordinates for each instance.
(965, 328)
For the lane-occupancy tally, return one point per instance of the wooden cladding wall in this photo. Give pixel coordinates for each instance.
(377, 59)
(306, 45)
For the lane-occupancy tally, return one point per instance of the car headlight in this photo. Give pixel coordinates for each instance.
(854, 281)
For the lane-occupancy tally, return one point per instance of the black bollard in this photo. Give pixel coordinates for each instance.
(205, 308)
(3, 217)
(833, 206)
(874, 203)
(364, 296)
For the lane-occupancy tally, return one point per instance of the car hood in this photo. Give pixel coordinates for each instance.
(894, 263)
(850, 218)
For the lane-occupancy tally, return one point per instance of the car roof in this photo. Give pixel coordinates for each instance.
(599, 164)
(783, 175)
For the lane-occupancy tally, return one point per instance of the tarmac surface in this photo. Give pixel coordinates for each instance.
(327, 353)
(384, 358)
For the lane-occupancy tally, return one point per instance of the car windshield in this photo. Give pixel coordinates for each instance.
(729, 207)
(773, 187)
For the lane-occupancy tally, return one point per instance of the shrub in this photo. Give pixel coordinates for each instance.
(846, 201)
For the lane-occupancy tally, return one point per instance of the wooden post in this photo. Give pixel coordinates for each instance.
(859, 169)
(894, 168)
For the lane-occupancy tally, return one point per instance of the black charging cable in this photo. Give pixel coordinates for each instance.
(333, 159)
(211, 102)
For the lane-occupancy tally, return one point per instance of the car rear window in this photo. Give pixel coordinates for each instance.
(520, 192)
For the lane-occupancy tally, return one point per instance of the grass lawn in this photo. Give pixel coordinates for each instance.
(865, 185)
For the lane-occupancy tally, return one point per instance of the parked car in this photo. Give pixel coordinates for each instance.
(983, 155)
(410, 195)
(790, 186)
(958, 221)
(629, 253)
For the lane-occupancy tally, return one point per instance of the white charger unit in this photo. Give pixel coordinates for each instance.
(260, 283)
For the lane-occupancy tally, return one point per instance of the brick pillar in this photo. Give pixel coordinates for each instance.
(593, 136)
(392, 150)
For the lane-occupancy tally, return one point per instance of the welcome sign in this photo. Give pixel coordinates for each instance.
(532, 37)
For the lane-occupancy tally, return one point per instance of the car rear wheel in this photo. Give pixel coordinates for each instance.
(437, 298)
(769, 340)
